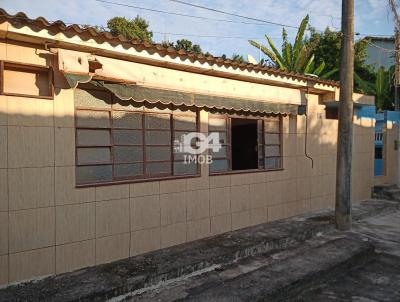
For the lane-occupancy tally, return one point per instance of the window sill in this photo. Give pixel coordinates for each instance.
(245, 171)
(131, 181)
(46, 97)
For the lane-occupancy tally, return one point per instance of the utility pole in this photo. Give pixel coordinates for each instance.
(397, 70)
(396, 19)
(345, 131)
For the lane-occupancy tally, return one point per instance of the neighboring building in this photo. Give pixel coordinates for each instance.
(90, 128)
(377, 55)
(379, 131)
(386, 149)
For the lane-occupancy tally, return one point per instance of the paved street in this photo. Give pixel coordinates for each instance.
(313, 271)
(379, 280)
(301, 258)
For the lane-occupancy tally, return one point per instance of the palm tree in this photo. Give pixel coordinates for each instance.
(297, 57)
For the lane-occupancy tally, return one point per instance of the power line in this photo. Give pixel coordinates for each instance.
(179, 14)
(256, 19)
(212, 36)
(196, 35)
(158, 32)
(233, 14)
(261, 22)
(387, 50)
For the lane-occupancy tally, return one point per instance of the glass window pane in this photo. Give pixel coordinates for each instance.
(157, 168)
(92, 119)
(179, 140)
(157, 121)
(185, 123)
(272, 126)
(216, 124)
(128, 170)
(158, 153)
(273, 163)
(93, 155)
(181, 156)
(219, 165)
(128, 137)
(128, 154)
(272, 151)
(122, 119)
(92, 98)
(93, 137)
(221, 153)
(90, 174)
(181, 168)
(222, 137)
(272, 138)
(158, 137)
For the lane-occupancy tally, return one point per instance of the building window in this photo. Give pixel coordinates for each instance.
(244, 144)
(116, 141)
(247, 143)
(26, 80)
(332, 113)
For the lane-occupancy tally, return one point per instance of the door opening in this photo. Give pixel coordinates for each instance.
(244, 144)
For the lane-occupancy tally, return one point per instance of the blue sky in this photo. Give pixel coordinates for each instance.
(371, 17)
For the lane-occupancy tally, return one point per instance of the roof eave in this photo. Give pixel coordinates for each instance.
(256, 75)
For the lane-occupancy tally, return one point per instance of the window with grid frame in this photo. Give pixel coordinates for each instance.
(116, 141)
(269, 142)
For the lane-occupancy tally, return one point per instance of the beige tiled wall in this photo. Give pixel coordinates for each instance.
(48, 226)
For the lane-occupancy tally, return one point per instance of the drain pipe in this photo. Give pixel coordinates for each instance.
(306, 134)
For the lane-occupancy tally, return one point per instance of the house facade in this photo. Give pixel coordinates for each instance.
(386, 147)
(95, 160)
(380, 52)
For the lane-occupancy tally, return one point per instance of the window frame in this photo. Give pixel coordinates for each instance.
(144, 177)
(228, 118)
(28, 67)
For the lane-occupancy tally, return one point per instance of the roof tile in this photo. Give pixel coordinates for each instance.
(21, 19)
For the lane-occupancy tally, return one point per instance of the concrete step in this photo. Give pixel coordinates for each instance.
(393, 194)
(378, 280)
(277, 277)
(387, 191)
(106, 281)
(138, 273)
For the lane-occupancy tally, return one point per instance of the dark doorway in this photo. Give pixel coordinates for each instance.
(244, 144)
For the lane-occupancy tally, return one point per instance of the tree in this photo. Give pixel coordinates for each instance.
(136, 29)
(297, 57)
(237, 58)
(326, 49)
(188, 46)
(384, 88)
(98, 28)
(234, 57)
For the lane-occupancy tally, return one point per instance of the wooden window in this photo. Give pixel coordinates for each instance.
(272, 140)
(265, 138)
(221, 160)
(26, 80)
(183, 123)
(116, 143)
